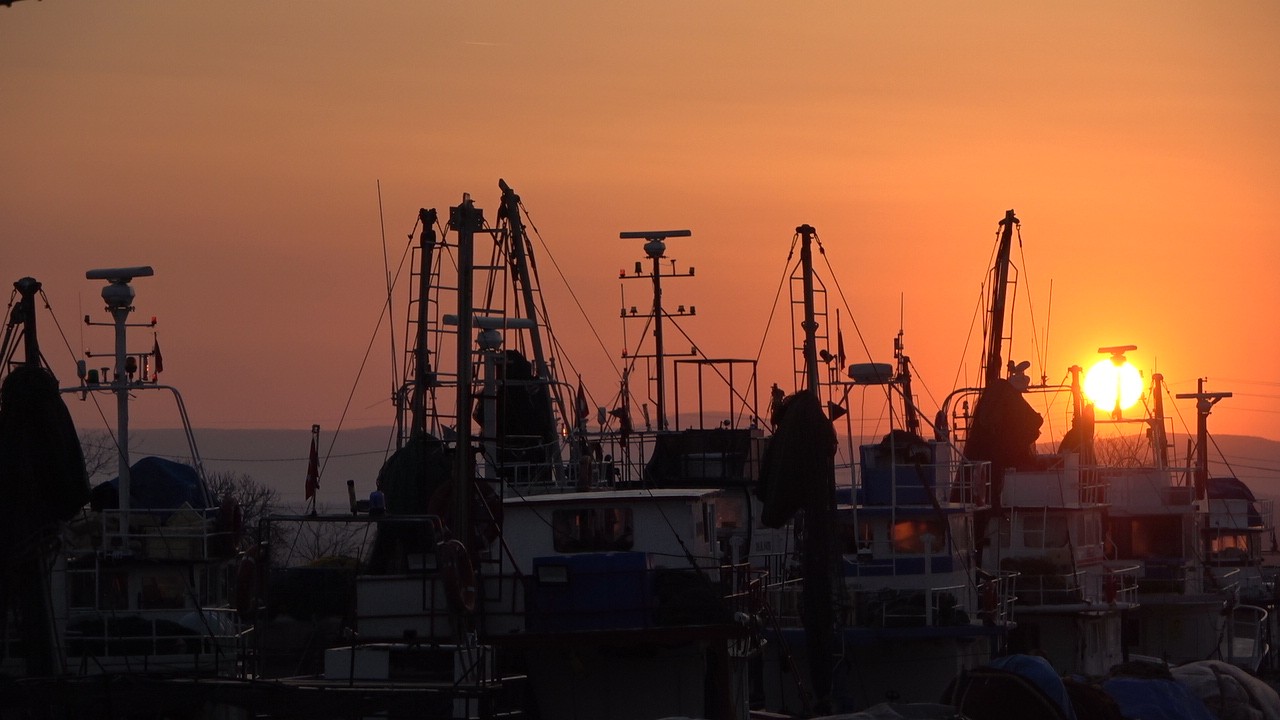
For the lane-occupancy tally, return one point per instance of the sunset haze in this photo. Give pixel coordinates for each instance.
(251, 152)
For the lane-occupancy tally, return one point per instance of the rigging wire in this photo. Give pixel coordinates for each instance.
(568, 287)
(386, 271)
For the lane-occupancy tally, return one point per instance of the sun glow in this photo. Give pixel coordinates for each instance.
(1106, 380)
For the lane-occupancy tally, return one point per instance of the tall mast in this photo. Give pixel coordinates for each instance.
(911, 418)
(999, 292)
(30, 571)
(810, 322)
(465, 220)
(1158, 437)
(656, 249)
(520, 261)
(118, 295)
(1204, 404)
(27, 288)
(422, 359)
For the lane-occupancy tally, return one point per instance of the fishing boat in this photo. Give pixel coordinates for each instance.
(130, 581)
(1047, 509)
(909, 608)
(513, 565)
(1198, 543)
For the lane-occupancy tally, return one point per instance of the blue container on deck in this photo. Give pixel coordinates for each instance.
(883, 469)
(590, 591)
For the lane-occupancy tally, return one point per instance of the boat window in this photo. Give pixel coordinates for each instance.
(81, 589)
(1233, 547)
(162, 591)
(914, 536)
(1090, 530)
(1148, 537)
(113, 591)
(592, 529)
(961, 533)
(859, 537)
(1039, 531)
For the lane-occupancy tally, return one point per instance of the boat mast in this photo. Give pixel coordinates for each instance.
(656, 249)
(520, 262)
(422, 358)
(1158, 437)
(911, 418)
(27, 288)
(118, 295)
(810, 323)
(999, 293)
(465, 220)
(30, 569)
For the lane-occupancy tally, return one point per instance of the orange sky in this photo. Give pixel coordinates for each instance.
(236, 147)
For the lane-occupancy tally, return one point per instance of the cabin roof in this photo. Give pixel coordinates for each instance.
(613, 496)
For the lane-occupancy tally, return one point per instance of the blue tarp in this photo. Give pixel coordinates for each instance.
(1156, 699)
(158, 484)
(1039, 671)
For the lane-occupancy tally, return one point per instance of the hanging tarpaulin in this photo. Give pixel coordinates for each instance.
(41, 464)
(794, 471)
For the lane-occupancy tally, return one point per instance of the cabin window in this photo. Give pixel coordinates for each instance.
(592, 530)
(81, 589)
(1233, 547)
(1090, 530)
(856, 537)
(113, 590)
(961, 533)
(918, 536)
(1148, 537)
(1039, 531)
(162, 591)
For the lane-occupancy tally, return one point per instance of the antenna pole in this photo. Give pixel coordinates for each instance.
(656, 249)
(1204, 404)
(118, 295)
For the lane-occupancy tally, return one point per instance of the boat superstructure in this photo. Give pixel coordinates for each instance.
(1197, 541)
(508, 547)
(137, 580)
(1045, 520)
(910, 610)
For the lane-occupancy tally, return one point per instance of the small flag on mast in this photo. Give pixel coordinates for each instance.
(156, 357)
(313, 471)
(580, 408)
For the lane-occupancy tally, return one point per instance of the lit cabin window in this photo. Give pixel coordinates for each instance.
(592, 530)
(915, 536)
(1233, 547)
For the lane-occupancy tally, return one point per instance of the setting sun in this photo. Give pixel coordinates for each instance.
(1106, 379)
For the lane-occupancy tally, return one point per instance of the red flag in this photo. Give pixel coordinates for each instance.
(155, 354)
(580, 407)
(313, 471)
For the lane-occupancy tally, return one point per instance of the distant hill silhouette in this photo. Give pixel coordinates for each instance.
(278, 458)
